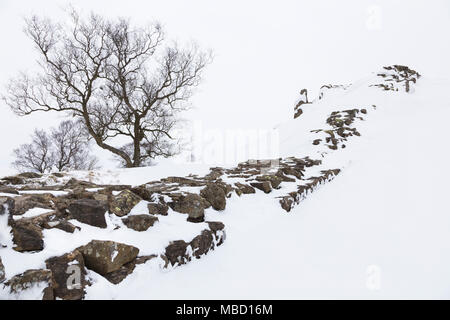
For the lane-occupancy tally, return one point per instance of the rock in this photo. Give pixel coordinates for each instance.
(263, 186)
(218, 230)
(191, 204)
(184, 181)
(74, 183)
(2, 271)
(30, 175)
(122, 204)
(215, 174)
(274, 180)
(158, 209)
(317, 141)
(26, 202)
(10, 190)
(69, 275)
(107, 256)
(89, 211)
(144, 259)
(6, 205)
(215, 195)
(14, 180)
(215, 226)
(64, 226)
(143, 193)
(244, 188)
(202, 243)
(30, 279)
(176, 252)
(59, 174)
(100, 197)
(140, 222)
(124, 271)
(287, 203)
(27, 237)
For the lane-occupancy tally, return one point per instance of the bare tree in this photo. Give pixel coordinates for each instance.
(121, 81)
(35, 156)
(65, 148)
(70, 147)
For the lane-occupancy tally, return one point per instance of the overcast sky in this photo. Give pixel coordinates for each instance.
(265, 51)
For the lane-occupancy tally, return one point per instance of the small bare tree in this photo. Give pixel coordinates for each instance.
(121, 81)
(70, 147)
(65, 148)
(35, 156)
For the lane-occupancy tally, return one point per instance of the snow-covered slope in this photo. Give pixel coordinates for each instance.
(381, 229)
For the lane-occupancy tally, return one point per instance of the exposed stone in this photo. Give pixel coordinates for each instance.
(89, 211)
(26, 202)
(274, 180)
(14, 180)
(123, 203)
(218, 230)
(140, 222)
(30, 175)
(287, 203)
(158, 209)
(215, 226)
(69, 275)
(119, 275)
(4, 189)
(143, 193)
(6, 204)
(192, 204)
(107, 256)
(30, 279)
(184, 181)
(100, 197)
(215, 196)
(74, 183)
(64, 226)
(202, 243)
(27, 237)
(176, 252)
(263, 186)
(244, 188)
(2, 271)
(144, 259)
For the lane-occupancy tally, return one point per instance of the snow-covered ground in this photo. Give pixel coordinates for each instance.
(381, 229)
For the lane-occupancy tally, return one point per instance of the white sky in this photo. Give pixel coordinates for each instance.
(266, 51)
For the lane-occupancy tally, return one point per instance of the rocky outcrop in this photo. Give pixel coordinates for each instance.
(107, 256)
(31, 279)
(69, 276)
(397, 77)
(89, 211)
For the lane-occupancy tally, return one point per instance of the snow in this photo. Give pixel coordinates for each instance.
(34, 212)
(379, 230)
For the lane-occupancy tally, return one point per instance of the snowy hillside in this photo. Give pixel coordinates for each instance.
(355, 207)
